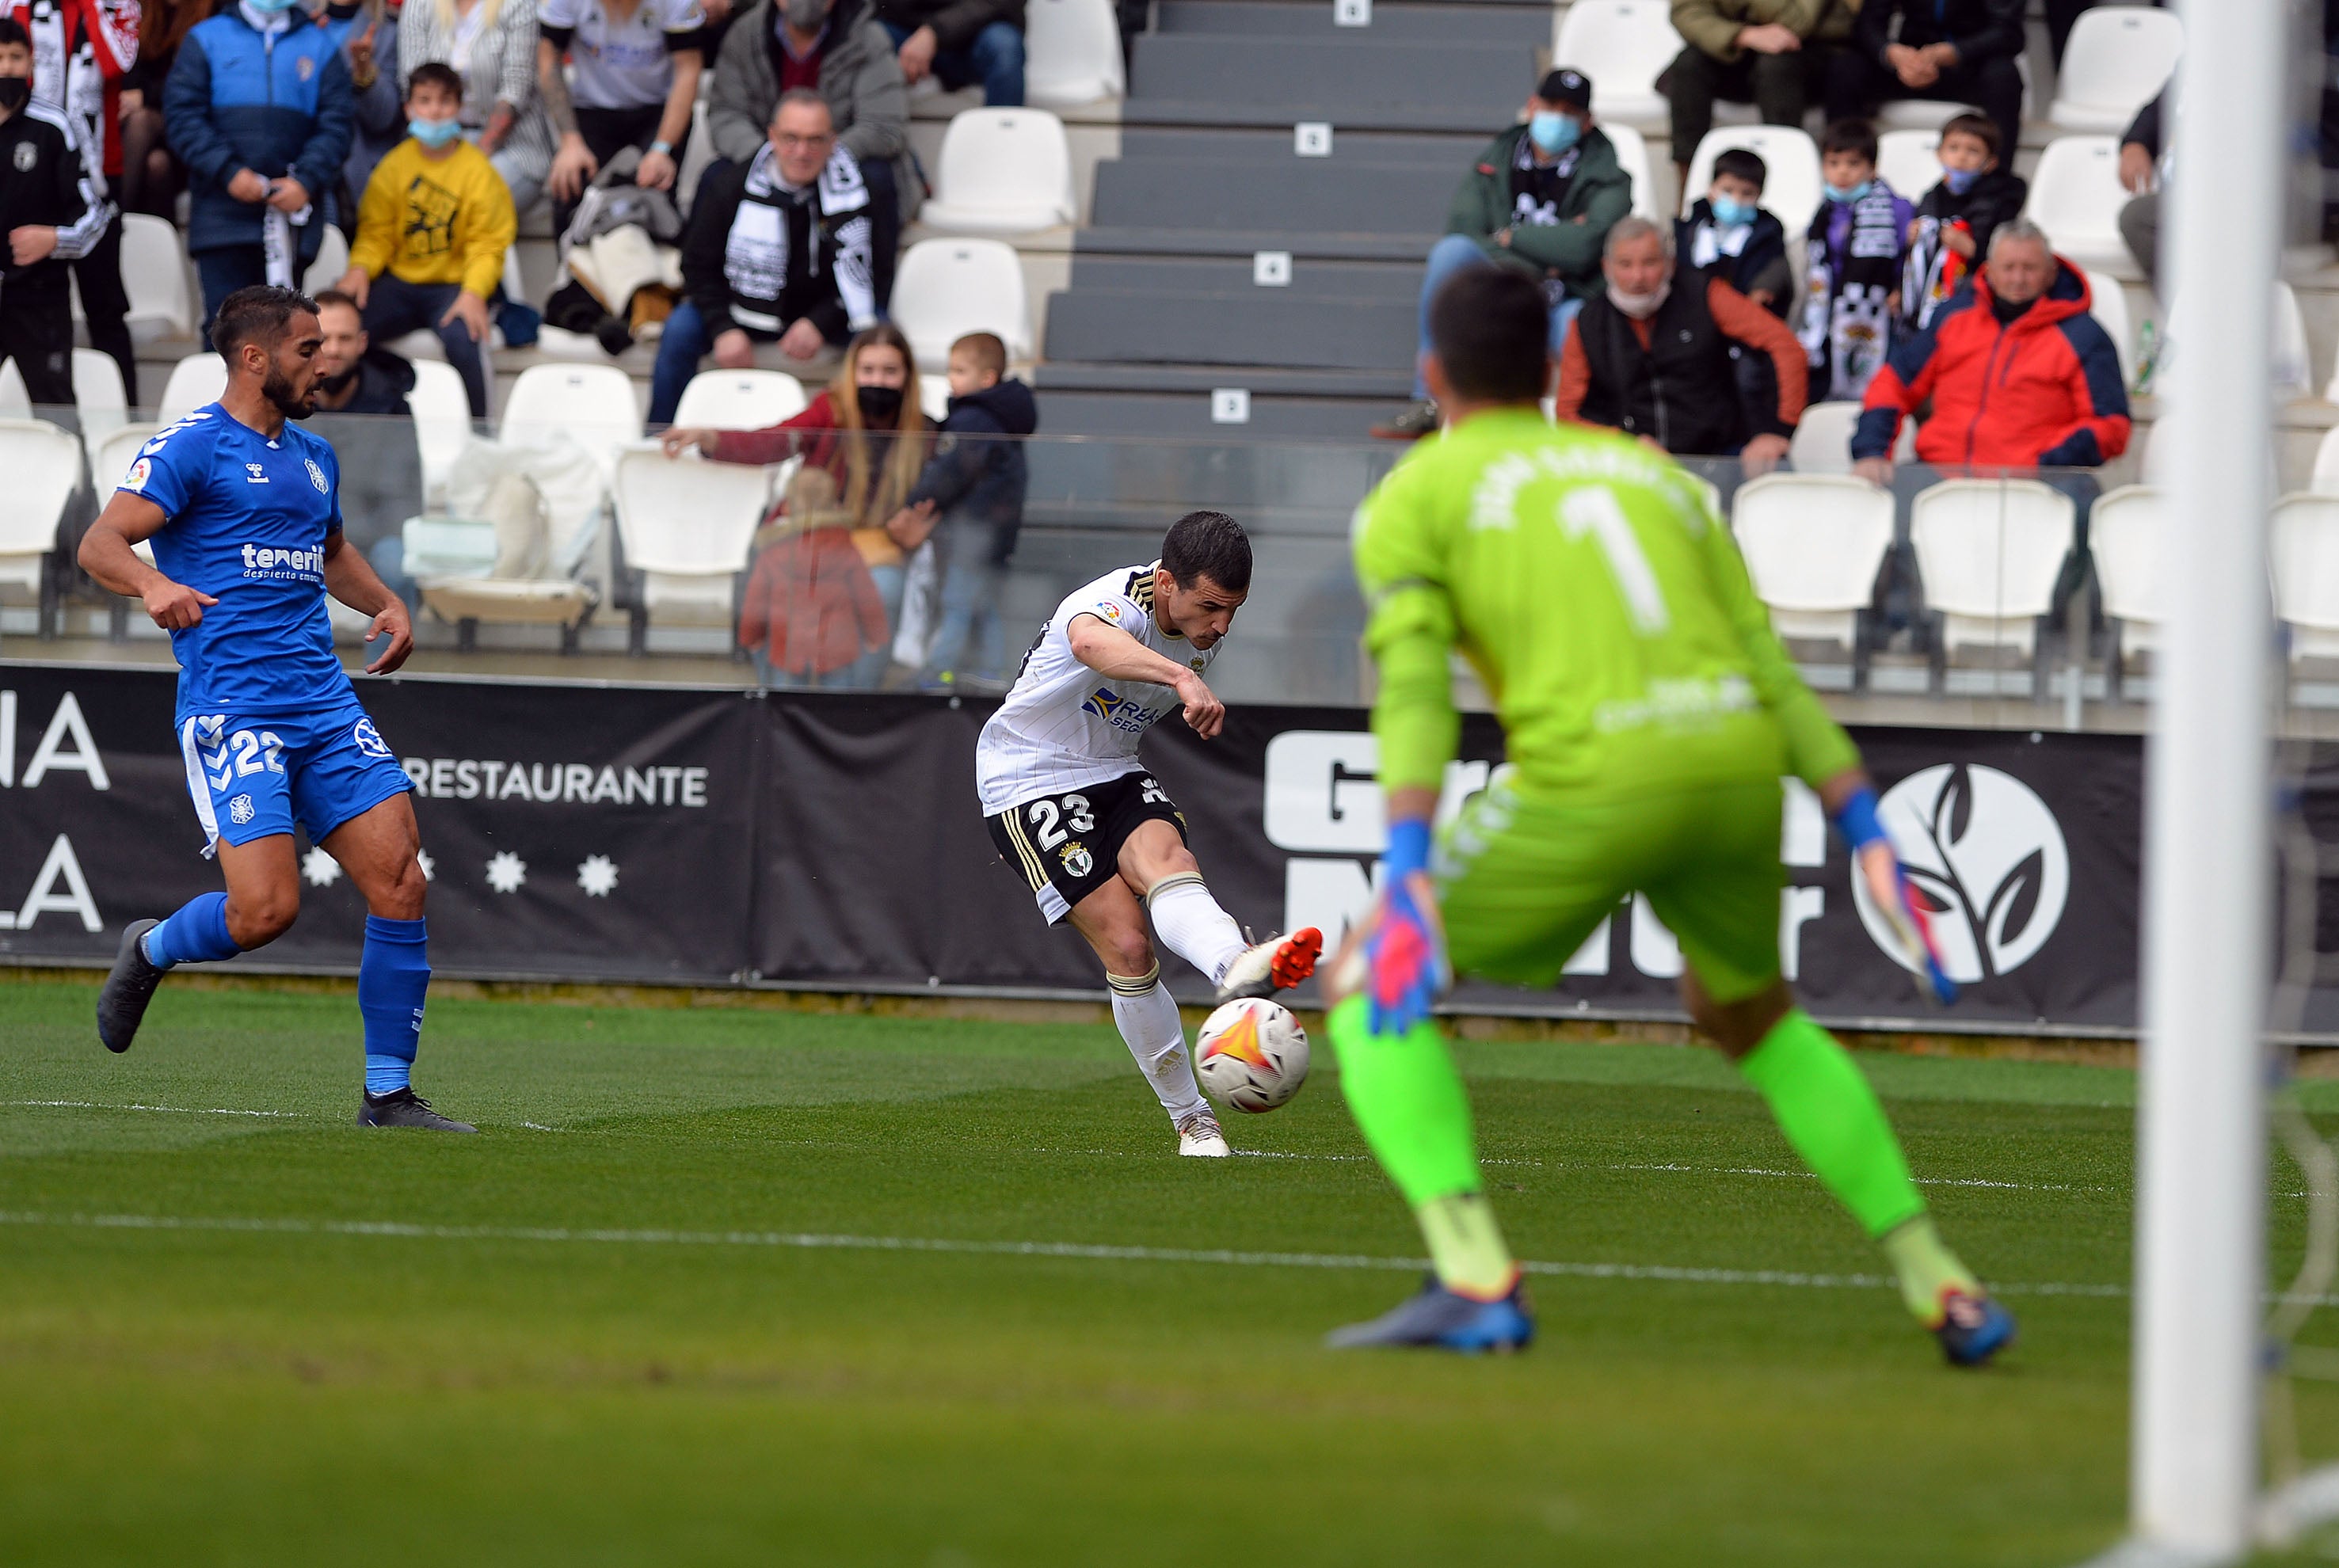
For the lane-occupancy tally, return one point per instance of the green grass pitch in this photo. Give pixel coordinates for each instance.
(597, 1333)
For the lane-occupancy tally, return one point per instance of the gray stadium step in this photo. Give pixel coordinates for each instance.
(1448, 150)
(1310, 280)
(1295, 193)
(1408, 249)
(1260, 327)
(1186, 415)
(1347, 81)
(1514, 27)
(1260, 381)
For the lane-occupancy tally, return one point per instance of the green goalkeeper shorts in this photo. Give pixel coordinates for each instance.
(1523, 881)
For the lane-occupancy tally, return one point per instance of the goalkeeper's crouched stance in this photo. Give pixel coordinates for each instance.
(1649, 714)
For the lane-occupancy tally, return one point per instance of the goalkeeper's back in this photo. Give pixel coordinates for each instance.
(1604, 603)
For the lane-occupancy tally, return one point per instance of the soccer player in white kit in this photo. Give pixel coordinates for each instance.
(1094, 834)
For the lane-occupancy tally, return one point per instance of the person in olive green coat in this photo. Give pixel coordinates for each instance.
(1772, 53)
(1540, 198)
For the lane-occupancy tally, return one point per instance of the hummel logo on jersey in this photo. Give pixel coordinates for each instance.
(255, 474)
(268, 561)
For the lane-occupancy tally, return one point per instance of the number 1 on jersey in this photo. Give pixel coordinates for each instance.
(1596, 511)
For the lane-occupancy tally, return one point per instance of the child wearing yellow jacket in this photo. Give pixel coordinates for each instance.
(432, 229)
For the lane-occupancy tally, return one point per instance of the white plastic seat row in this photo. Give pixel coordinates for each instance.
(2118, 57)
(1813, 545)
(945, 288)
(1624, 46)
(44, 465)
(1002, 172)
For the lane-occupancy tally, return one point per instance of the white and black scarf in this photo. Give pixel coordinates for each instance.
(1847, 316)
(756, 257)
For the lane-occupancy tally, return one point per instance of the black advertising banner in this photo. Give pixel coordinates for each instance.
(720, 837)
(568, 832)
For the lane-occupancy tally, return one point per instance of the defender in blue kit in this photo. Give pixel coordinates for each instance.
(243, 512)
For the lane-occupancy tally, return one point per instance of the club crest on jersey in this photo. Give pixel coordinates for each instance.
(316, 477)
(239, 810)
(369, 740)
(1078, 861)
(26, 155)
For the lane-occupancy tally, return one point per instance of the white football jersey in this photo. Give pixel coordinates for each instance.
(1064, 726)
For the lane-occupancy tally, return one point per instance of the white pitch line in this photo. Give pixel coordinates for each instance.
(813, 1240)
(173, 1110)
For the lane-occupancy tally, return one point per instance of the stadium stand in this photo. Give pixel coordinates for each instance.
(197, 379)
(1813, 545)
(1003, 171)
(1624, 46)
(740, 399)
(1823, 443)
(1910, 161)
(43, 467)
(1792, 190)
(1072, 52)
(2076, 196)
(2115, 60)
(684, 525)
(2122, 534)
(2305, 552)
(948, 288)
(442, 423)
(1989, 551)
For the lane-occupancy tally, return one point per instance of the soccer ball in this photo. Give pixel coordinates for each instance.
(1251, 1054)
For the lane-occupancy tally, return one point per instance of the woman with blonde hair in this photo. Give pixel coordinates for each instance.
(491, 44)
(867, 431)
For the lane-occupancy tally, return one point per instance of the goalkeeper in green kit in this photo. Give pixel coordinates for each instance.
(1649, 714)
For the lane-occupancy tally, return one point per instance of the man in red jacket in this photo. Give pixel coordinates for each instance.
(2019, 374)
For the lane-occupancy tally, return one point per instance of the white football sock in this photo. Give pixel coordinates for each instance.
(1190, 925)
(1149, 1022)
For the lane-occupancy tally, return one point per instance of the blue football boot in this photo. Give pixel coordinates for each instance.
(1441, 1319)
(1973, 1328)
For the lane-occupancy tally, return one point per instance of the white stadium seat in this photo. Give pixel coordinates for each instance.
(2306, 573)
(2124, 537)
(1632, 156)
(98, 391)
(1624, 46)
(1072, 52)
(2076, 196)
(739, 400)
(2117, 59)
(1823, 443)
(593, 404)
(115, 454)
(945, 288)
(2107, 303)
(442, 423)
(686, 524)
(1002, 172)
(1910, 161)
(933, 397)
(2290, 366)
(699, 153)
(1989, 551)
(332, 261)
(43, 467)
(2325, 481)
(197, 379)
(1792, 187)
(1813, 544)
(154, 276)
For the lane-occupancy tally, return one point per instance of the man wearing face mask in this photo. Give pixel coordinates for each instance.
(1653, 358)
(49, 216)
(1541, 199)
(432, 229)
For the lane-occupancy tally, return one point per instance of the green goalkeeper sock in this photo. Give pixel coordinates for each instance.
(1409, 1104)
(1926, 1268)
(1831, 1118)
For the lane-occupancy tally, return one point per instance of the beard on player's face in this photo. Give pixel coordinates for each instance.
(293, 394)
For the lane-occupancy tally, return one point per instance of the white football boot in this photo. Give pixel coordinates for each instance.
(1276, 964)
(1200, 1137)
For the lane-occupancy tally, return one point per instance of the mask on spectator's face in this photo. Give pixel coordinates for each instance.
(1959, 180)
(1848, 194)
(807, 16)
(881, 407)
(13, 91)
(1554, 132)
(270, 7)
(1729, 211)
(434, 132)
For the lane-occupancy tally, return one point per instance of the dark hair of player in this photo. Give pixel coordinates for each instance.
(1491, 329)
(1208, 545)
(1740, 163)
(13, 32)
(1854, 136)
(985, 349)
(434, 74)
(256, 315)
(1981, 127)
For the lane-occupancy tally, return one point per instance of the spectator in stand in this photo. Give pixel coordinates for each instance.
(1729, 230)
(1952, 51)
(1772, 53)
(958, 43)
(2019, 375)
(259, 109)
(836, 48)
(971, 491)
(381, 458)
(637, 65)
(432, 231)
(51, 215)
(369, 34)
(1856, 245)
(491, 44)
(776, 251)
(2142, 173)
(1653, 358)
(811, 613)
(152, 174)
(1541, 198)
(81, 50)
(1951, 230)
(867, 431)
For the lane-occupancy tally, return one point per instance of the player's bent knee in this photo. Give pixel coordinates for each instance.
(257, 921)
(1129, 952)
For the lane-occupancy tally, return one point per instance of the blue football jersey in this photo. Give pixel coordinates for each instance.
(248, 521)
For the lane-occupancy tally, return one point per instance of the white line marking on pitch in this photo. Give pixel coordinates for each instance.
(810, 1240)
(174, 1110)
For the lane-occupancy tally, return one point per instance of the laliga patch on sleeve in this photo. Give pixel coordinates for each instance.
(135, 479)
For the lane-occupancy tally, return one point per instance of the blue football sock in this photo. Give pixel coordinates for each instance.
(392, 977)
(196, 935)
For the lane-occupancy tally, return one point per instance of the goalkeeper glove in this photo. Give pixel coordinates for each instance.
(1893, 894)
(1407, 951)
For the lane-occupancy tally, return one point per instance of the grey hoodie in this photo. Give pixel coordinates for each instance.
(859, 75)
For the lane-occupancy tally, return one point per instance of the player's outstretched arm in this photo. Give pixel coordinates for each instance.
(106, 556)
(1850, 799)
(349, 578)
(1114, 654)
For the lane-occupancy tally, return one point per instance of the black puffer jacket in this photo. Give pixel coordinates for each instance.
(977, 475)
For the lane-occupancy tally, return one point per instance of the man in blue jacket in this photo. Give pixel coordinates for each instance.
(259, 107)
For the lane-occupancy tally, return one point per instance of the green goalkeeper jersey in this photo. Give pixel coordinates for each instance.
(1602, 603)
